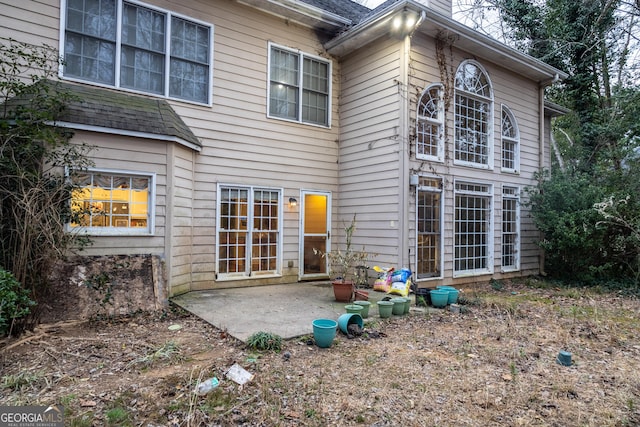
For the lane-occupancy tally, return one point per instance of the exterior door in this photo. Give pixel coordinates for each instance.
(315, 226)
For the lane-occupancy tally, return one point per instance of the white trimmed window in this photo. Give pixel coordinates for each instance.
(510, 228)
(472, 228)
(510, 141)
(113, 203)
(249, 231)
(473, 116)
(137, 47)
(429, 228)
(430, 124)
(299, 86)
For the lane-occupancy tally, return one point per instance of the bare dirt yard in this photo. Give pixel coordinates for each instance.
(493, 364)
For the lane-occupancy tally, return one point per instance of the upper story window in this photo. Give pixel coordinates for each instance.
(299, 86)
(510, 141)
(136, 47)
(473, 116)
(430, 124)
(113, 203)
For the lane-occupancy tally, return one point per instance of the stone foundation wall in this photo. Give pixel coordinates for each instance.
(86, 287)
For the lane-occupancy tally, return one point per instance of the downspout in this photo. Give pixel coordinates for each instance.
(541, 164)
(542, 86)
(404, 133)
(404, 155)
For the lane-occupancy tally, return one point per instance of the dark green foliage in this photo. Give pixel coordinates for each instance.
(14, 302)
(34, 192)
(582, 243)
(265, 341)
(589, 209)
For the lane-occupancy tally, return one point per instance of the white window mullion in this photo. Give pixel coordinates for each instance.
(300, 85)
(249, 242)
(118, 54)
(167, 56)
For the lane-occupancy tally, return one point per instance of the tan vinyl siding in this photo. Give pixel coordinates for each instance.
(181, 230)
(369, 176)
(240, 144)
(130, 155)
(441, 6)
(31, 21)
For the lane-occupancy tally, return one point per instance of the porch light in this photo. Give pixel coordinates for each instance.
(293, 202)
(405, 22)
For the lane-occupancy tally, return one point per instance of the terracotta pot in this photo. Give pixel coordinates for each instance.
(362, 295)
(343, 290)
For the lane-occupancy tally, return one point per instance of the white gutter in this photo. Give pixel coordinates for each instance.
(369, 29)
(132, 133)
(541, 88)
(299, 11)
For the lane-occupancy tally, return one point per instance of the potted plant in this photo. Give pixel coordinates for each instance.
(343, 262)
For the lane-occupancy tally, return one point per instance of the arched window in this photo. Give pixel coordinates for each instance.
(473, 116)
(430, 124)
(510, 141)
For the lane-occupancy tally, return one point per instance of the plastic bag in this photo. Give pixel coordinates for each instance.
(400, 288)
(401, 275)
(383, 282)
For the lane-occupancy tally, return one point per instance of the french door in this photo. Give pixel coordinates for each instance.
(249, 231)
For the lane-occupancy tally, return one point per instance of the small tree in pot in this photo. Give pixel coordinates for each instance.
(344, 262)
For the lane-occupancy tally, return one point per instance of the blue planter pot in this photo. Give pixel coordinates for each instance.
(347, 319)
(324, 331)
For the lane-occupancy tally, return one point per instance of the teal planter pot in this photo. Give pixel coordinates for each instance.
(439, 298)
(324, 331)
(348, 319)
(453, 293)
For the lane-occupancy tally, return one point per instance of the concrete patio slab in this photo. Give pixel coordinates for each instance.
(286, 310)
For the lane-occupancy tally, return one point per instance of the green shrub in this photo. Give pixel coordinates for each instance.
(14, 301)
(264, 341)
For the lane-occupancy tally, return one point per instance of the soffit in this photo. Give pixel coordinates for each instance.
(433, 24)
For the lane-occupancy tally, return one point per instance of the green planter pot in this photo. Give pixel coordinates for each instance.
(385, 308)
(398, 305)
(365, 308)
(407, 304)
(353, 308)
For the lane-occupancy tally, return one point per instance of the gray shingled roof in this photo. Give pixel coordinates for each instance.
(104, 108)
(345, 8)
(108, 110)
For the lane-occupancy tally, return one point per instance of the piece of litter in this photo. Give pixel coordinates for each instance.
(238, 374)
(175, 327)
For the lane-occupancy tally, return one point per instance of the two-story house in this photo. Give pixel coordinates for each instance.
(234, 136)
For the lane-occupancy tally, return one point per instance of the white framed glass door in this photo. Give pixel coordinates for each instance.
(315, 224)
